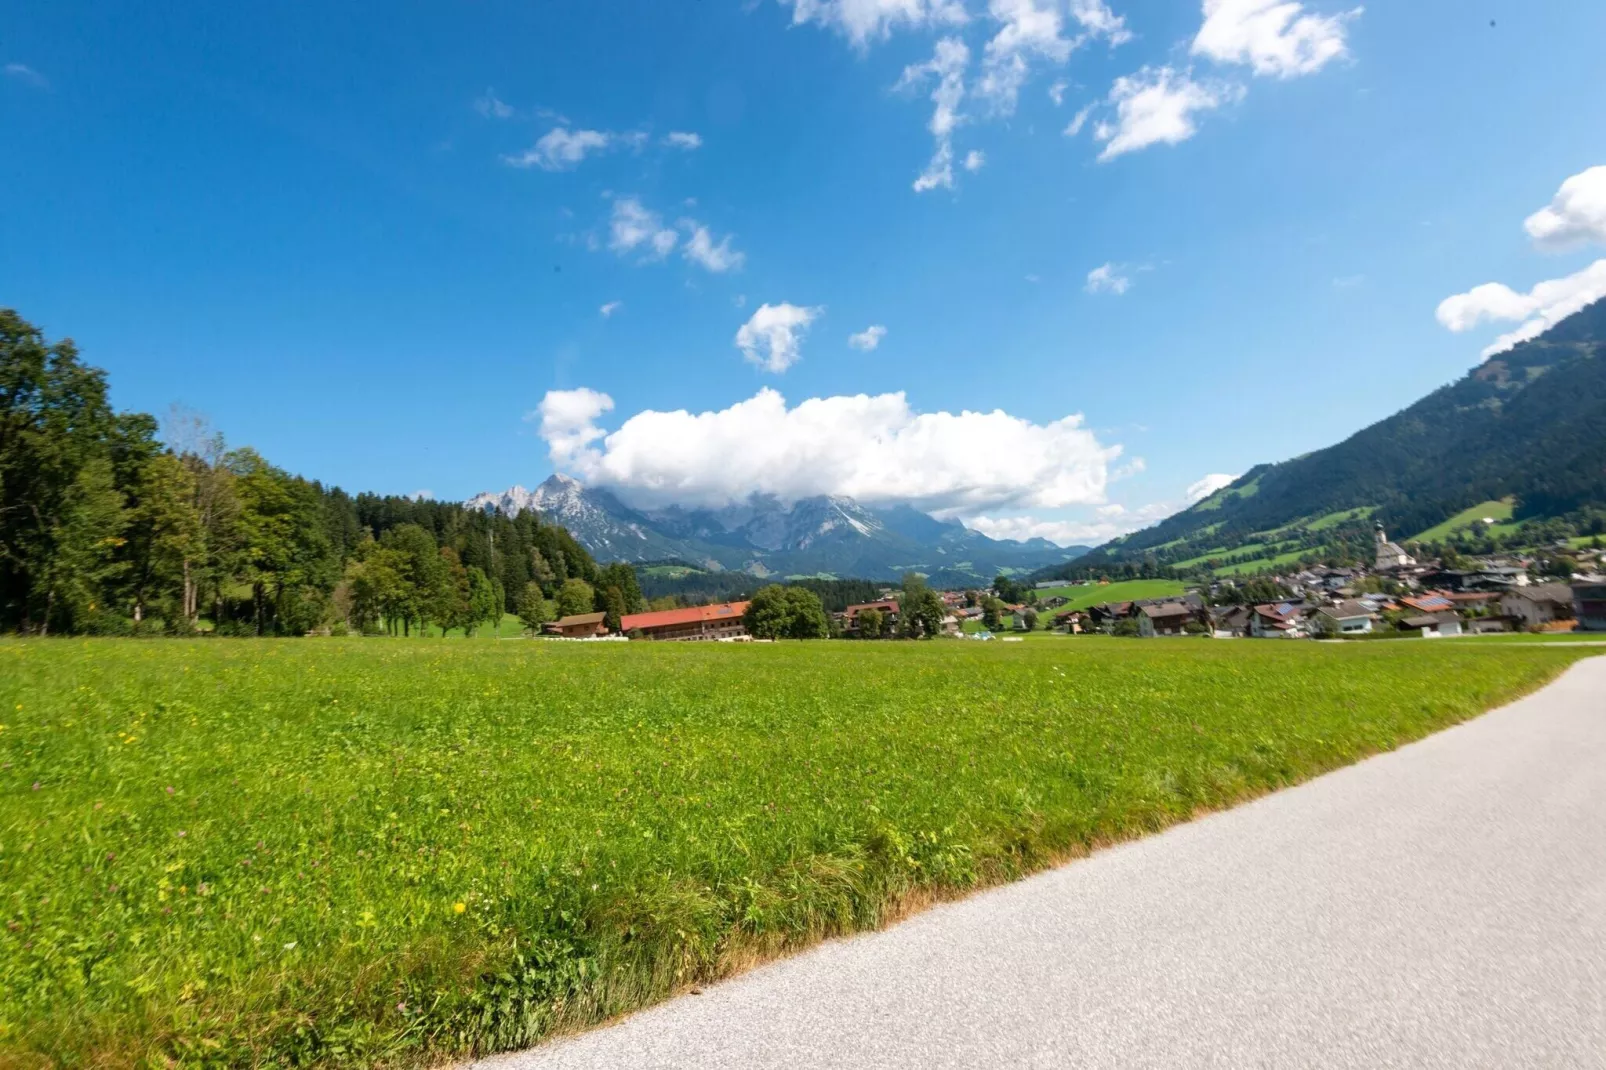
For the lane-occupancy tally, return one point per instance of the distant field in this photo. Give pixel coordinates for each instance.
(1498, 510)
(317, 851)
(1081, 597)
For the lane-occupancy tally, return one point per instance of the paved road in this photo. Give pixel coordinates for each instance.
(1440, 906)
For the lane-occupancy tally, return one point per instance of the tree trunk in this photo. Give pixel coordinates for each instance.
(50, 607)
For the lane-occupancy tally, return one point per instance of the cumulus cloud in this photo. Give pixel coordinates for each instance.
(701, 249)
(868, 338)
(610, 308)
(568, 423)
(636, 229)
(947, 65)
(1199, 491)
(1056, 91)
(872, 448)
(772, 337)
(493, 107)
(1155, 106)
(862, 21)
(1575, 216)
(1541, 308)
(683, 139)
(562, 149)
(1276, 38)
(1107, 279)
(975, 160)
(1109, 522)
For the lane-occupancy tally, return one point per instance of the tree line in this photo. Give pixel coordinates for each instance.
(112, 523)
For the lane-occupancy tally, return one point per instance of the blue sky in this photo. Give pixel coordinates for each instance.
(352, 238)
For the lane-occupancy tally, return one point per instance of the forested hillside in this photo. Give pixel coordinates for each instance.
(106, 528)
(1528, 425)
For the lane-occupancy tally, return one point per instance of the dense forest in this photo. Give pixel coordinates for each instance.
(697, 587)
(1529, 424)
(112, 523)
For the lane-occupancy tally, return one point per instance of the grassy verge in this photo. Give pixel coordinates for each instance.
(240, 852)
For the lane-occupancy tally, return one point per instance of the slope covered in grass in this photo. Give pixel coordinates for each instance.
(244, 852)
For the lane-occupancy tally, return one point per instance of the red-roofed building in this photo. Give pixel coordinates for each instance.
(687, 625)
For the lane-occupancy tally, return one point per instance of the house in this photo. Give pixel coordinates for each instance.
(1537, 606)
(699, 623)
(1281, 621)
(1167, 618)
(1230, 622)
(1389, 555)
(951, 625)
(1432, 625)
(1589, 603)
(1429, 602)
(1104, 616)
(848, 619)
(1346, 618)
(578, 626)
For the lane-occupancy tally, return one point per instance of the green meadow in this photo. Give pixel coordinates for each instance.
(248, 852)
(1082, 596)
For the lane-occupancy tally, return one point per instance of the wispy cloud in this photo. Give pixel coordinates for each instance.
(25, 74)
(683, 139)
(491, 106)
(610, 308)
(867, 339)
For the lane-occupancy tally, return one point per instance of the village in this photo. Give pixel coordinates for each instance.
(1397, 596)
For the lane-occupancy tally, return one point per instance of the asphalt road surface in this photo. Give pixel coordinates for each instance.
(1443, 905)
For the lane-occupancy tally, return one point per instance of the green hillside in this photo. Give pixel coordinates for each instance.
(1518, 438)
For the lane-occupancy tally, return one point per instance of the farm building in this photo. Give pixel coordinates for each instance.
(579, 626)
(700, 623)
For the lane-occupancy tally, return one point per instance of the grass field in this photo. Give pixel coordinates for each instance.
(308, 852)
(1095, 594)
(1496, 510)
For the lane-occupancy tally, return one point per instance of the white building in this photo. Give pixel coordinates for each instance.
(1389, 555)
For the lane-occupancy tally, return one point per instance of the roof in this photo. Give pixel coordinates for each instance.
(695, 615)
(885, 604)
(1556, 593)
(1347, 611)
(1421, 621)
(1432, 602)
(578, 619)
(1171, 609)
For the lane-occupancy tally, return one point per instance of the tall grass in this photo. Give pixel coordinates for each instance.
(244, 852)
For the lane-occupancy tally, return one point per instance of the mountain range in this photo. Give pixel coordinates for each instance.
(817, 536)
(1525, 431)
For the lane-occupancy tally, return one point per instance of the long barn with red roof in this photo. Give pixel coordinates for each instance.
(686, 625)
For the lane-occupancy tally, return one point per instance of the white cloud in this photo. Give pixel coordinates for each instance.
(610, 308)
(1111, 521)
(868, 338)
(1107, 279)
(568, 422)
(1199, 491)
(1056, 92)
(975, 160)
(1078, 121)
(1273, 37)
(24, 73)
(862, 21)
(492, 107)
(1157, 106)
(1575, 216)
(1035, 30)
(561, 149)
(948, 62)
(682, 139)
(874, 449)
(700, 249)
(1541, 308)
(772, 337)
(634, 227)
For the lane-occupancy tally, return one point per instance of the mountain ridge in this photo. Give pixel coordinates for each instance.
(820, 535)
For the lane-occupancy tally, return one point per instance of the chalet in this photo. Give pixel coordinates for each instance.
(1230, 622)
(1281, 621)
(1429, 602)
(1589, 603)
(1537, 606)
(1346, 618)
(697, 624)
(1432, 625)
(579, 626)
(1169, 618)
(848, 619)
